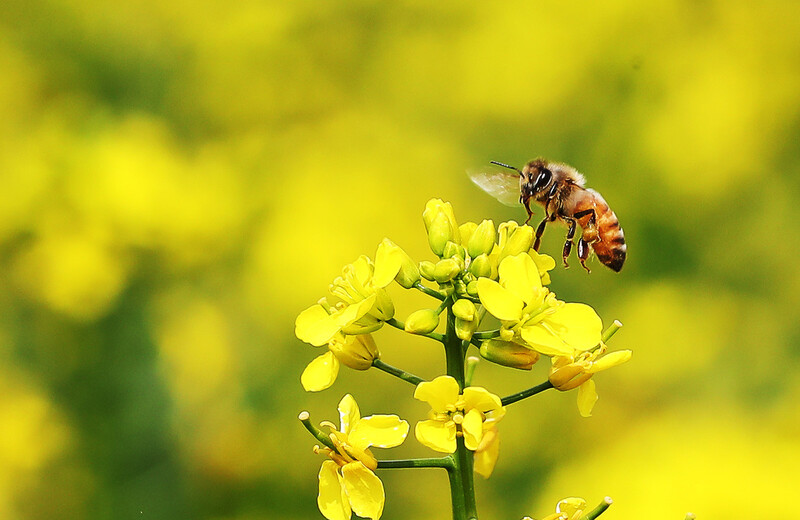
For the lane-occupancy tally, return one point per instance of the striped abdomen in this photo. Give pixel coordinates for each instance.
(606, 236)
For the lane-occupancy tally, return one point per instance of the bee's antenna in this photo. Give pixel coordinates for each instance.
(507, 166)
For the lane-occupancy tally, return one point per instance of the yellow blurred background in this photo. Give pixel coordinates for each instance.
(180, 179)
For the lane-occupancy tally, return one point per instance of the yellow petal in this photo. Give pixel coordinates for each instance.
(499, 301)
(486, 456)
(354, 312)
(519, 275)
(437, 435)
(364, 490)
(314, 325)
(388, 260)
(320, 373)
(610, 360)
(439, 393)
(587, 396)
(332, 500)
(349, 415)
(481, 399)
(472, 427)
(577, 324)
(542, 340)
(381, 431)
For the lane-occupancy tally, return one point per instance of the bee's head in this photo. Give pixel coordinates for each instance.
(536, 177)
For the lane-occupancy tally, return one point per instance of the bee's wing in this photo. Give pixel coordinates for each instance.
(500, 185)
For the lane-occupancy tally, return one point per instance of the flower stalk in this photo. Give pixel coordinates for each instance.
(479, 270)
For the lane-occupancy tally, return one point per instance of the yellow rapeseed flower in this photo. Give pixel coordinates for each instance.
(363, 303)
(531, 315)
(357, 352)
(470, 414)
(347, 482)
(576, 371)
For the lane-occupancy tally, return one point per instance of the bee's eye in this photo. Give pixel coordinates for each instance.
(543, 179)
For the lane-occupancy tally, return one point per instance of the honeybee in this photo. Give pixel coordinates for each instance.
(561, 190)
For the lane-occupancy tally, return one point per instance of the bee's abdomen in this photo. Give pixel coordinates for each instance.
(610, 245)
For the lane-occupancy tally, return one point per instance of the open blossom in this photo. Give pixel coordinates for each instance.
(347, 482)
(531, 315)
(361, 304)
(357, 352)
(471, 414)
(568, 372)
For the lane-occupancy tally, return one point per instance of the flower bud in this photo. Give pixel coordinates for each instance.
(439, 233)
(426, 269)
(509, 354)
(482, 239)
(447, 269)
(482, 266)
(464, 309)
(506, 334)
(569, 376)
(453, 250)
(465, 328)
(519, 241)
(422, 321)
(465, 230)
(356, 352)
(435, 210)
(472, 288)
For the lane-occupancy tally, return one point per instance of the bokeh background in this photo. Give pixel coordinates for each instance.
(179, 179)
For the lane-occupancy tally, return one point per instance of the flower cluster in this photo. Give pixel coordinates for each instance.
(480, 270)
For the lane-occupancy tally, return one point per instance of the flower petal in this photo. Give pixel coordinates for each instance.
(364, 490)
(472, 427)
(349, 415)
(499, 301)
(314, 325)
(320, 373)
(437, 435)
(388, 260)
(577, 324)
(381, 431)
(520, 275)
(587, 396)
(486, 456)
(332, 499)
(542, 340)
(481, 399)
(354, 312)
(610, 360)
(439, 393)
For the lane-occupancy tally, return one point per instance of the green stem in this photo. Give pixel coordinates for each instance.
(456, 490)
(519, 396)
(402, 326)
(599, 510)
(397, 372)
(466, 465)
(487, 334)
(438, 462)
(462, 487)
(430, 292)
(611, 330)
(321, 436)
(453, 352)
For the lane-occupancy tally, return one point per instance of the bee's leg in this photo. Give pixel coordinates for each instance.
(540, 230)
(583, 253)
(527, 203)
(590, 229)
(570, 235)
